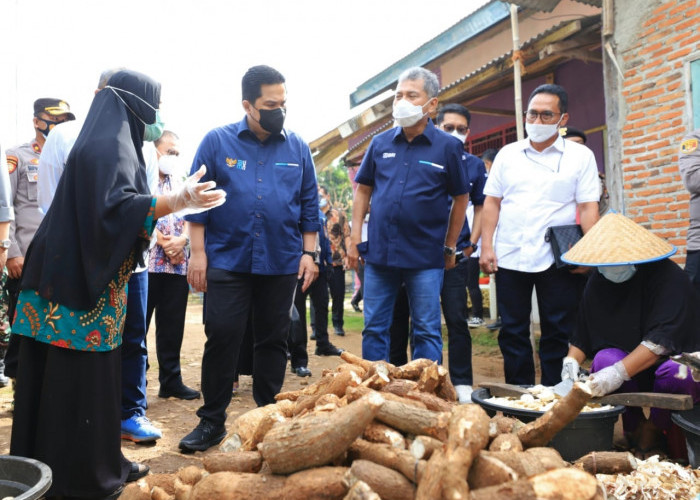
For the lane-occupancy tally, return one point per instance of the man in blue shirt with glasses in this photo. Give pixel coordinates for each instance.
(257, 247)
(408, 173)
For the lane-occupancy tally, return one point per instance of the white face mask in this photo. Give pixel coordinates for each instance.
(168, 164)
(407, 114)
(459, 136)
(541, 132)
(617, 274)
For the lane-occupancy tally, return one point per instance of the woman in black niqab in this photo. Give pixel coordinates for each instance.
(73, 298)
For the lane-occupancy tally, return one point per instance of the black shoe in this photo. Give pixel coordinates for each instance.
(137, 471)
(203, 437)
(357, 308)
(328, 350)
(182, 392)
(339, 332)
(313, 336)
(495, 325)
(302, 371)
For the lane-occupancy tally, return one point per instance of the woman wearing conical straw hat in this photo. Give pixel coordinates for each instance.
(638, 308)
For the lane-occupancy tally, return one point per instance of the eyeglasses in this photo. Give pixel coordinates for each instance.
(451, 128)
(546, 116)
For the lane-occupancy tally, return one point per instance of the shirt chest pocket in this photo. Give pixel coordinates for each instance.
(32, 181)
(561, 189)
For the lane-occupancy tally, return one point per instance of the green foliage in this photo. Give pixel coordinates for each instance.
(335, 179)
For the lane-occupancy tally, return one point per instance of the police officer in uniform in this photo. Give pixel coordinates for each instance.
(689, 164)
(23, 167)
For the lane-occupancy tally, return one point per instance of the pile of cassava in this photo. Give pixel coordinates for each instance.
(371, 430)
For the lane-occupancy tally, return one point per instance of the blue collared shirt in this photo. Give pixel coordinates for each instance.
(477, 180)
(411, 183)
(271, 199)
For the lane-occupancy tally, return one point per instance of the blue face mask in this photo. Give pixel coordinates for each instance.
(322, 202)
(618, 274)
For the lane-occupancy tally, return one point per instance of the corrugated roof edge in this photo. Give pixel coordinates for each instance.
(468, 27)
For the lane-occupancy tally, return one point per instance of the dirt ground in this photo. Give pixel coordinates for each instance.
(177, 418)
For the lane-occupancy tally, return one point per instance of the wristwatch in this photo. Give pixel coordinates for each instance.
(449, 251)
(473, 246)
(313, 255)
(5, 244)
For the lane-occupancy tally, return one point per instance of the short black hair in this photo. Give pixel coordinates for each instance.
(255, 78)
(489, 154)
(324, 188)
(554, 89)
(457, 109)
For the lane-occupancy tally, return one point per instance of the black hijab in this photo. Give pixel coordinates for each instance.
(101, 201)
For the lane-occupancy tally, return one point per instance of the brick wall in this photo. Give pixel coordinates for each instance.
(654, 113)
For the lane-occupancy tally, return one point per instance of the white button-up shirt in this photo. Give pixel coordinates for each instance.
(538, 190)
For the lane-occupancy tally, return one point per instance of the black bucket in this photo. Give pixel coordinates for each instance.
(23, 478)
(590, 431)
(689, 421)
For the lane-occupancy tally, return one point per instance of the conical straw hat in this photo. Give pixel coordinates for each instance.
(616, 240)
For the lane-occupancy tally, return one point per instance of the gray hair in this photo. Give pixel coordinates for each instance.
(106, 75)
(430, 80)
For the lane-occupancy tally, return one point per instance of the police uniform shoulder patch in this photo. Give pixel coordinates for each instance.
(11, 163)
(689, 146)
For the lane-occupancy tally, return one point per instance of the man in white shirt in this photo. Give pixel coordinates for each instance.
(534, 184)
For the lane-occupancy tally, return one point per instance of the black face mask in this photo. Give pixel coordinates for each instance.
(272, 120)
(49, 126)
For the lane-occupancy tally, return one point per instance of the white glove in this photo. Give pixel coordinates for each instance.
(570, 369)
(194, 196)
(608, 379)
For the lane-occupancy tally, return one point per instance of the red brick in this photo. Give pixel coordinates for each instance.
(681, 8)
(673, 86)
(685, 215)
(670, 189)
(660, 180)
(633, 151)
(659, 127)
(662, 52)
(677, 241)
(648, 157)
(632, 133)
(671, 115)
(670, 170)
(641, 88)
(647, 138)
(654, 20)
(679, 53)
(641, 219)
(657, 71)
(677, 206)
(663, 199)
(638, 203)
(669, 78)
(688, 24)
(677, 224)
(663, 7)
(660, 144)
(652, 64)
(650, 48)
(635, 116)
(683, 197)
(674, 131)
(632, 81)
(693, 40)
(671, 97)
(652, 93)
(633, 168)
(658, 35)
(670, 22)
(664, 216)
(654, 209)
(648, 192)
(679, 37)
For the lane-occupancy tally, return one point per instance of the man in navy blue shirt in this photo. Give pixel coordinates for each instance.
(257, 246)
(455, 119)
(408, 173)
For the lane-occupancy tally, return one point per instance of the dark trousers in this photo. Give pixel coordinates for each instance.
(336, 283)
(473, 287)
(453, 298)
(230, 298)
(318, 294)
(12, 287)
(557, 297)
(400, 330)
(357, 297)
(692, 267)
(134, 353)
(167, 296)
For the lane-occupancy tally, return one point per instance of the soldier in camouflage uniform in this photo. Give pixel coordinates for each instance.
(6, 215)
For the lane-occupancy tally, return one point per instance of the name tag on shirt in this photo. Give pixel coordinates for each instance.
(32, 173)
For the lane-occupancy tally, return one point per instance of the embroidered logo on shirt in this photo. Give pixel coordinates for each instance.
(11, 163)
(239, 164)
(688, 146)
(389, 155)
